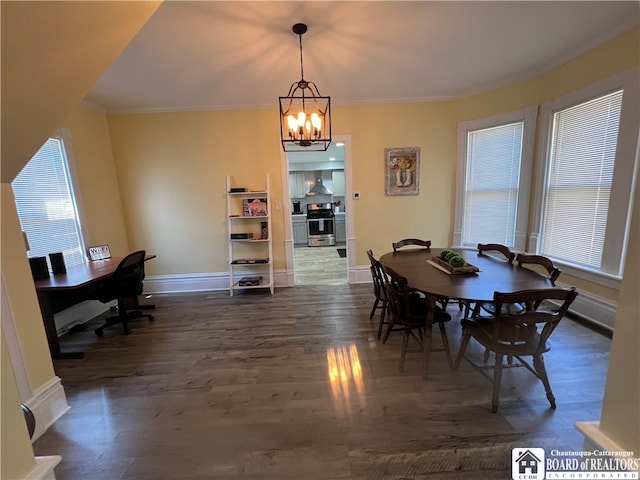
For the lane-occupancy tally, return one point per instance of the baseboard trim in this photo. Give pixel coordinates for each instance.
(43, 469)
(589, 307)
(48, 404)
(596, 439)
(594, 309)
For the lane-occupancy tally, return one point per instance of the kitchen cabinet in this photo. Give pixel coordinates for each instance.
(337, 179)
(297, 184)
(341, 227)
(249, 230)
(299, 224)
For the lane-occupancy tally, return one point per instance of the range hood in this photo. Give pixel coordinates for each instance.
(318, 187)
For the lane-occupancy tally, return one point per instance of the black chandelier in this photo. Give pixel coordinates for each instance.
(305, 115)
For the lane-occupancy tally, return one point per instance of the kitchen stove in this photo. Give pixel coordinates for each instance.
(320, 225)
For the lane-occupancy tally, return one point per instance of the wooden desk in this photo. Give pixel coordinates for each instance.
(495, 275)
(64, 290)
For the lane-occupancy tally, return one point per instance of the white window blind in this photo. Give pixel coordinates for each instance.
(578, 184)
(492, 180)
(46, 206)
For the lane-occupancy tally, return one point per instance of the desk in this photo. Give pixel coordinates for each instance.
(495, 275)
(64, 290)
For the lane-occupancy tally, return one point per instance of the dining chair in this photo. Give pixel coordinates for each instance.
(524, 334)
(124, 286)
(416, 242)
(379, 291)
(409, 310)
(496, 250)
(533, 261)
(545, 262)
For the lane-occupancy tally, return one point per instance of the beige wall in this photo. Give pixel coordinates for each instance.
(37, 94)
(95, 179)
(15, 449)
(172, 166)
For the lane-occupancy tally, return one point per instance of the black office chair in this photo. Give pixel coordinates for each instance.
(124, 285)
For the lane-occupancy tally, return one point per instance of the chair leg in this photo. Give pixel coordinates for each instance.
(389, 328)
(497, 379)
(538, 364)
(383, 314)
(405, 345)
(373, 310)
(466, 336)
(445, 343)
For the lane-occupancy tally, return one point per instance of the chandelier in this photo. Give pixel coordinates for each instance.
(305, 115)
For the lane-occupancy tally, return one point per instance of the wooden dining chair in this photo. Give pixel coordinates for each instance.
(524, 334)
(406, 242)
(409, 310)
(534, 262)
(379, 291)
(546, 263)
(495, 250)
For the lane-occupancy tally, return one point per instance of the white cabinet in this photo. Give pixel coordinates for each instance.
(249, 229)
(337, 179)
(299, 224)
(297, 185)
(341, 228)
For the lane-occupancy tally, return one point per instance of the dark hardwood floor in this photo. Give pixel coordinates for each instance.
(295, 386)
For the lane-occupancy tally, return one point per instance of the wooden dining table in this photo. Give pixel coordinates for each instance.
(495, 274)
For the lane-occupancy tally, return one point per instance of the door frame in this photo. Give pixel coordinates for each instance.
(349, 211)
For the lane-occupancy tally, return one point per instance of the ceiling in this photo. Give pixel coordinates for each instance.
(241, 54)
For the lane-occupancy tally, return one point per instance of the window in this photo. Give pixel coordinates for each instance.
(578, 186)
(585, 181)
(494, 165)
(46, 206)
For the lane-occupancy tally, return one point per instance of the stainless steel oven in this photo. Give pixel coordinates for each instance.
(320, 225)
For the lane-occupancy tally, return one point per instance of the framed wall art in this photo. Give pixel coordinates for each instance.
(401, 171)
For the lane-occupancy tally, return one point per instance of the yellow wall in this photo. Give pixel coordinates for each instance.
(21, 294)
(16, 462)
(37, 94)
(95, 176)
(172, 166)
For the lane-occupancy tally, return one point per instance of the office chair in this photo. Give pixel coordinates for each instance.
(124, 285)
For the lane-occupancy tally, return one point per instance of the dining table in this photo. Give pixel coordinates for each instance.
(423, 274)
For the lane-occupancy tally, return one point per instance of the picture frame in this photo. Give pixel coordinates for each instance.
(402, 171)
(99, 252)
(255, 207)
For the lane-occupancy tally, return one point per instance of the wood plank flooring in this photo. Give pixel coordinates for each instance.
(296, 386)
(319, 266)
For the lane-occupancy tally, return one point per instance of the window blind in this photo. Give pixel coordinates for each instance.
(46, 206)
(578, 185)
(491, 184)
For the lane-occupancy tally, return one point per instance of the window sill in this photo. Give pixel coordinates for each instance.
(593, 276)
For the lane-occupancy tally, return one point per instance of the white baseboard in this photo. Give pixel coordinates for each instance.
(48, 404)
(43, 469)
(593, 308)
(596, 439)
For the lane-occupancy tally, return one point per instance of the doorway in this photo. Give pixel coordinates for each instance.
(317, 180)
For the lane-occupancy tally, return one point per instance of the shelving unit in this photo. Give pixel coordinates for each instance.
(249, 229)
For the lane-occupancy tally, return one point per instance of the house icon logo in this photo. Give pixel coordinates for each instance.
(527, 464)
